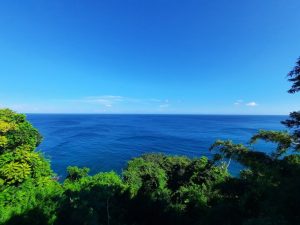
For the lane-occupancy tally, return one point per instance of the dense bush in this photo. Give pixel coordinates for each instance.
(27, 184)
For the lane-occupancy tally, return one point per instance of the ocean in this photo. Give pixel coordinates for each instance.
(107, 142)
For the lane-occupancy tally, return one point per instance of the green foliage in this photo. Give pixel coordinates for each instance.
(15, 172)
(40, 195)
(283, 139)
(154, 188)
(75, 173)
(18, 165)
(172, 187)
(26, 182)
(145, 176)
(229, 150)
(294, 77)
(16, 131)
(293, 123)
(91, 199)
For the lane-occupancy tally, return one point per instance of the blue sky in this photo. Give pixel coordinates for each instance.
(133, 56)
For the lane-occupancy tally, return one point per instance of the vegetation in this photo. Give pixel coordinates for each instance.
(154, 188)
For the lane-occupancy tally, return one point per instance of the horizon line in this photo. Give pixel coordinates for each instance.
(166, 114)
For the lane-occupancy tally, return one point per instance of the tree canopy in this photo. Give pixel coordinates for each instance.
(294, 77)
(293, 122)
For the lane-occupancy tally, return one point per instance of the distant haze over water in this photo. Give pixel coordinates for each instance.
(107, 142)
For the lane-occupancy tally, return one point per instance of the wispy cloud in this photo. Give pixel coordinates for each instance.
(105, 100)
(164, 106)
(238, 102)
(108, 101)
(29, 107)
(251, 104)
(243, 103)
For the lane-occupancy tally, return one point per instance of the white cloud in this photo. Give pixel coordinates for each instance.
(243, 103)
(164, 106)
(155, 100)
(115, 102)
(238, 102)
(251, 104)
(162, 101)
(105, 100)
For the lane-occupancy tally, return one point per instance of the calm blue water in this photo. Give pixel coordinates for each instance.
(106, 142)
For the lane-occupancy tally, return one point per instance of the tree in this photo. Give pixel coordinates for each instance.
(16, 131)
(267, 190)
(26, 179)
(293, 122)
(18, 140)
(294, 77)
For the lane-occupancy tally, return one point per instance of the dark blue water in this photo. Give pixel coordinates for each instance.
(106, 142)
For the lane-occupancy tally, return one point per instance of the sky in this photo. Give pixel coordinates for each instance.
(149, 56)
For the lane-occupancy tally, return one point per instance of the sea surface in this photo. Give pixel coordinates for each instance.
(107, 142)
